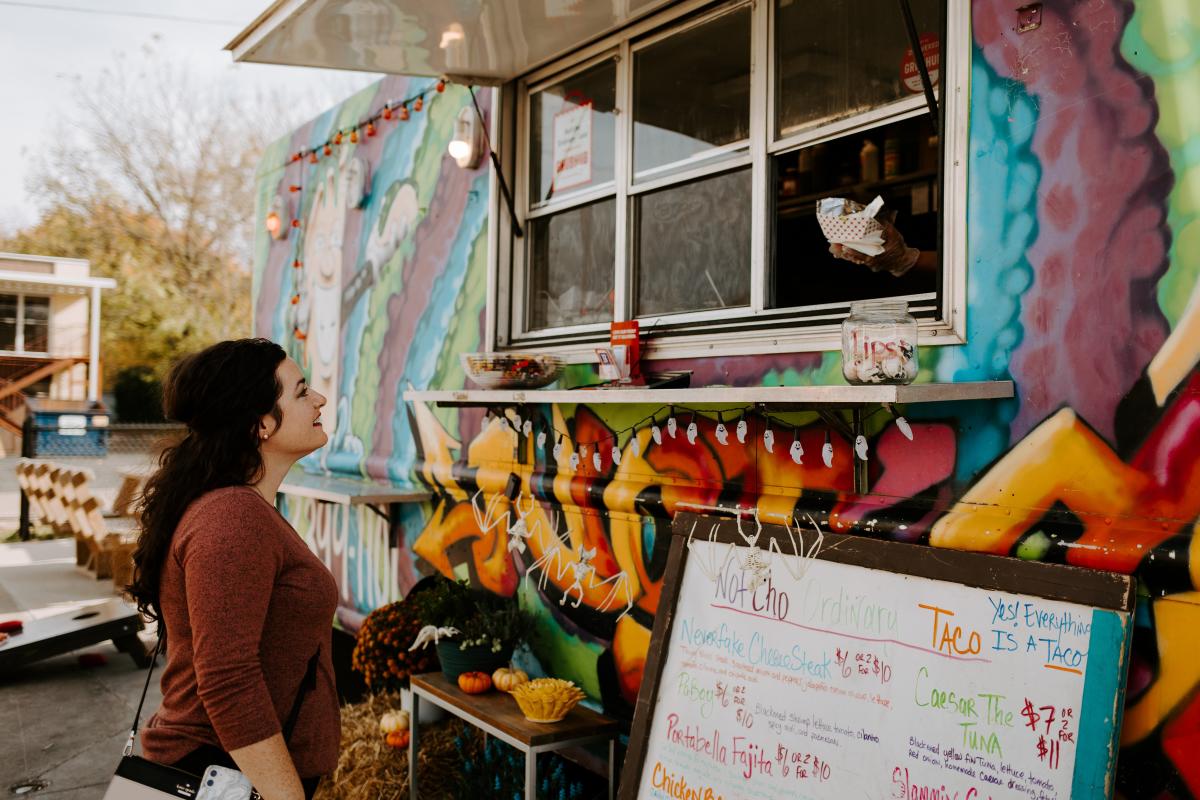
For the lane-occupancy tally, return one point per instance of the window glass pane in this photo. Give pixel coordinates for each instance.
(37, 324)
(840, 57)
(900, 164)
(691, 91)
(8, 322)
(573, 133)
(693, 245)
(572, 266)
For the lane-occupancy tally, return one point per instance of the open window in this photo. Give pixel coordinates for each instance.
(670, 174)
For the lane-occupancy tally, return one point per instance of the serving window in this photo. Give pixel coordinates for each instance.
(671, 173)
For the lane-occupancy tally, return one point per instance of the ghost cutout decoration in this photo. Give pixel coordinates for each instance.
(672, 427)
(596, 459)
(722, 433)
(692, 432)
(516, 421)
(656, 432)
(616, 455)
(558, 449)
(742, 430)
(541, 440)
(860, 447)
(827, 452)
(796, 451)
(527, 428)
(769, 440)
(904, 427)
(574, 461)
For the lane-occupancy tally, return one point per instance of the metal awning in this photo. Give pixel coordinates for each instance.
(485, 41)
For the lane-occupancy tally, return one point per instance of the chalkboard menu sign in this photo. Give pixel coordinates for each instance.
(870, 669)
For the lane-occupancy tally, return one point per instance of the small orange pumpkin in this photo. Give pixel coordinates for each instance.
(506, 679)
(397, 739)
(474, 682)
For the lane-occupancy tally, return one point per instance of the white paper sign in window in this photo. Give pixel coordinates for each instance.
(573, 147)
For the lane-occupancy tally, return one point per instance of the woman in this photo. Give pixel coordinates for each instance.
(245, 603)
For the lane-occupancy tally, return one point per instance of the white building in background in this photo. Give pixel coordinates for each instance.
(49, 332)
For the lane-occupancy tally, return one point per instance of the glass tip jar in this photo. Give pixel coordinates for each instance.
(879, 343)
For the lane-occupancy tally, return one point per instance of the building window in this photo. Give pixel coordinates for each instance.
(671, 173)
(24, 323)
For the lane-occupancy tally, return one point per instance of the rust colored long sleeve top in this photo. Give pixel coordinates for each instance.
(246, 604)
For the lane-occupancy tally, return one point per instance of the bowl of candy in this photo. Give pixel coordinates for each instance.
(511, 370)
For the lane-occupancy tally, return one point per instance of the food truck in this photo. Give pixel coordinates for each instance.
(533, 178)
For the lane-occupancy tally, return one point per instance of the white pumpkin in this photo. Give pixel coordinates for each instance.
(393, 722)
(506, 679)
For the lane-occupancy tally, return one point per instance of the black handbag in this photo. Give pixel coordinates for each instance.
(137, 778)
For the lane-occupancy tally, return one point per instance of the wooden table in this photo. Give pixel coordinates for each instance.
(497, 714)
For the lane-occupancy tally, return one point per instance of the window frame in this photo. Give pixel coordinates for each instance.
(743, 330)
(19, 339)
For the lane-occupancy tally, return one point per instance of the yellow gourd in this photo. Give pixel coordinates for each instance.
(393, 722)
(506, 679)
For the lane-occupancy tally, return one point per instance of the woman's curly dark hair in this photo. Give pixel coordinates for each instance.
(221, 394)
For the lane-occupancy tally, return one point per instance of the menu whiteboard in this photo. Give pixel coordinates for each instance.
(877, 670)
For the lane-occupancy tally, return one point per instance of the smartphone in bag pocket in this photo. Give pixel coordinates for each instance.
(223, 783)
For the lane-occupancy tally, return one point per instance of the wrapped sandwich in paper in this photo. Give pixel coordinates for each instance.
(851, 224)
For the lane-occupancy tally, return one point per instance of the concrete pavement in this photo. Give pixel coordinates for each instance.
(63, 724)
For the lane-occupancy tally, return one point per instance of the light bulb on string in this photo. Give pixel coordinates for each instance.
(721, 432)
(672, 426)
(370, 129)
(596, 462)
(338, 138)
(901, 423)
(742, 428)
(312, 157)
(328, 150)
(827, 452)
(558, 448)
(769, 437)
(635, 445)
(860, 447)
(692, 430)
(403, 112)
(441, 87)
(354, 137)
(418, 104)
(796, 450)
(387, 111)
(541, 440)
(615, 455)
(527, 428)
(656, 432)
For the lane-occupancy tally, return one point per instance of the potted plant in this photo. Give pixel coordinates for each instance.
(473, 630)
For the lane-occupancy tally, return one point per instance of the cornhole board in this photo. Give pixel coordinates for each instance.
(83, 627)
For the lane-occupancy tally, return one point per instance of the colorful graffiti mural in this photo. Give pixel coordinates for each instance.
(1083, 287)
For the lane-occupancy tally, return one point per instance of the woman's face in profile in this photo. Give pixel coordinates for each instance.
(300, 432)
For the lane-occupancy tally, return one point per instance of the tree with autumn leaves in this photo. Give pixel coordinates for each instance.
(153, 182)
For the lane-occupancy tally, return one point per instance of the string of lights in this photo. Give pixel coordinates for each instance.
(399, 110)
(541, 430)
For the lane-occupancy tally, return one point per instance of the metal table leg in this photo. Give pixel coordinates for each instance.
(530, 775)
(414, 735)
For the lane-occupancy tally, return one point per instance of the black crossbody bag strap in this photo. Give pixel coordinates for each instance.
(307, 684)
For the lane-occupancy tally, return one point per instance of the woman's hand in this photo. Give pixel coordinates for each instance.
(269, 767)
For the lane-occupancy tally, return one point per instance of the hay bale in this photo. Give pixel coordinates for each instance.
(370, 770)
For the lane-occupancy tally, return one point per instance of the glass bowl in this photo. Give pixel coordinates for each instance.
(511, 370)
